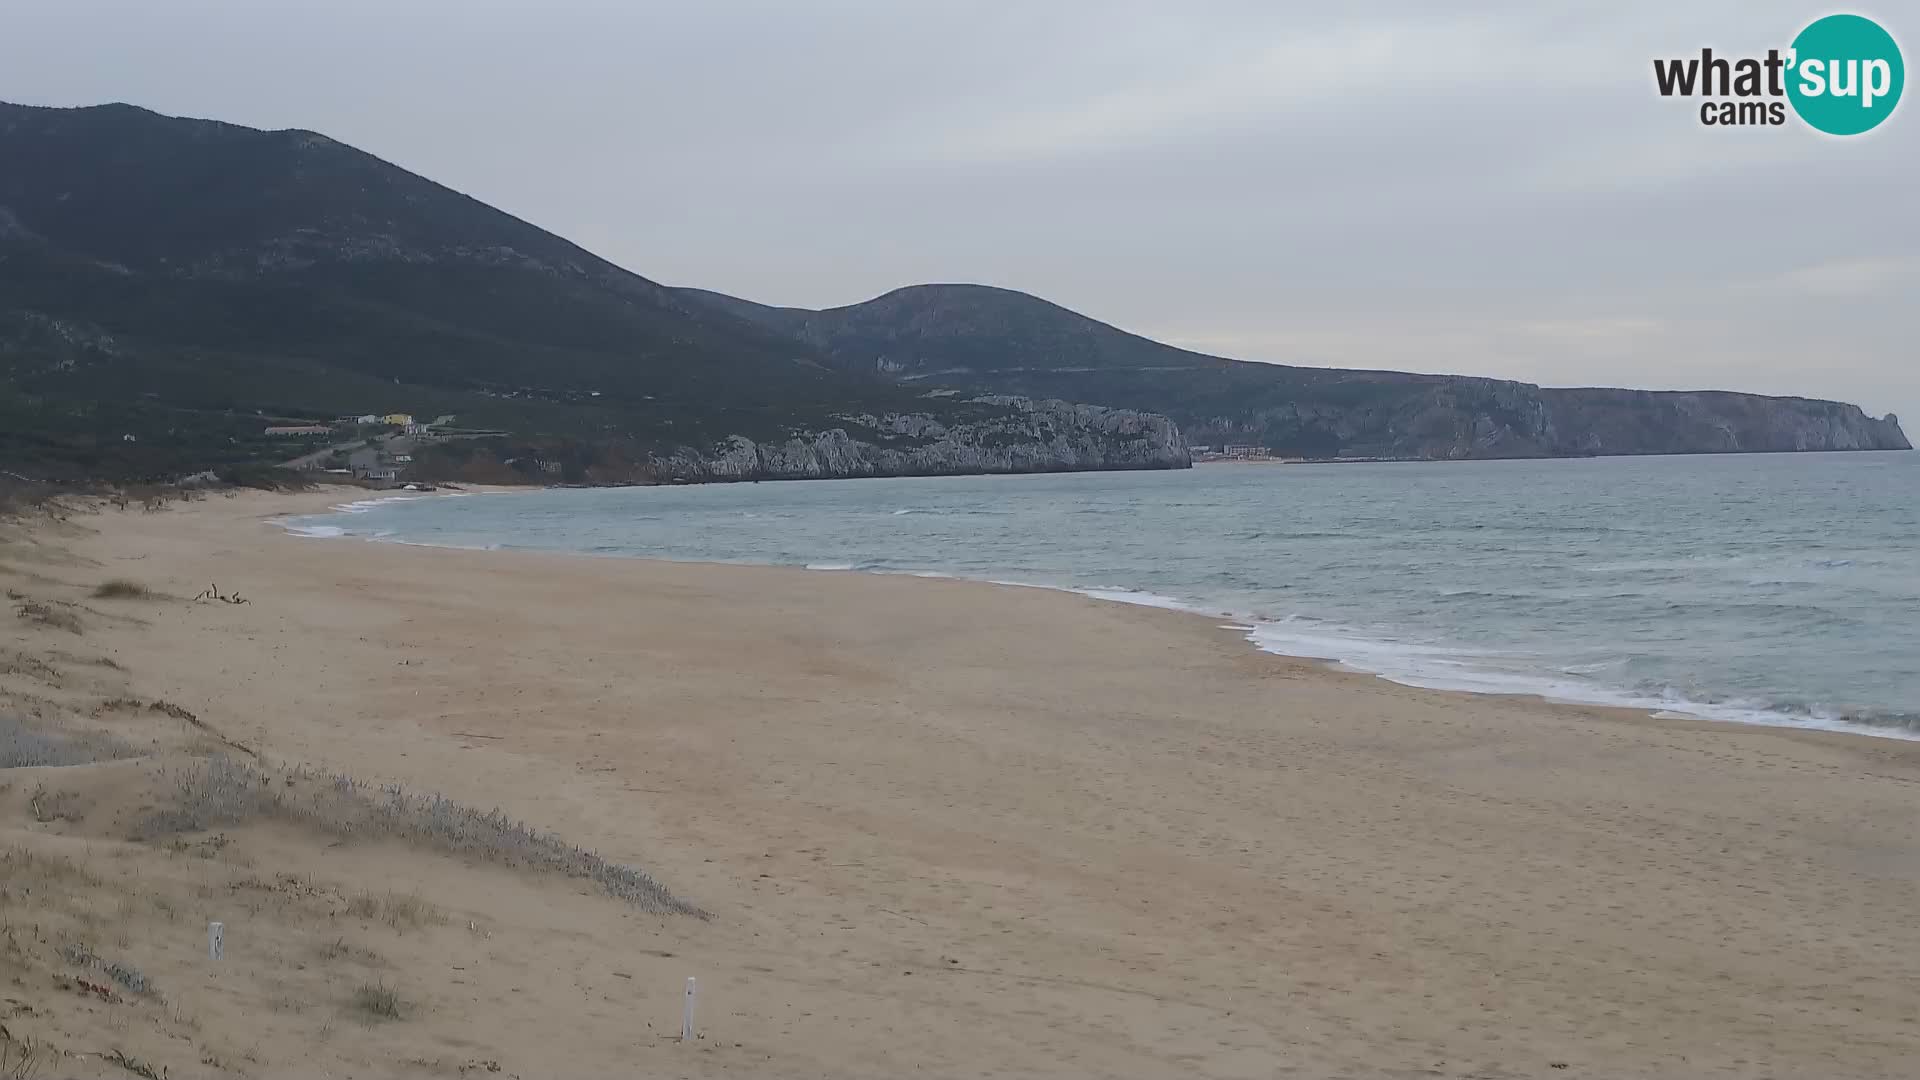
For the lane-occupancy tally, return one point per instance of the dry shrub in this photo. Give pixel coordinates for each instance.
(123, 589)
(130, 978)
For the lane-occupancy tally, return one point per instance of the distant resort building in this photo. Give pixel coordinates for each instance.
(1247, 451)
(394, 419)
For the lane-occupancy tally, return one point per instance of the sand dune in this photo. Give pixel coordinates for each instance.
(942, 828)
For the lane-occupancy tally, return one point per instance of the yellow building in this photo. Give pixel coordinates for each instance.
(397, 418)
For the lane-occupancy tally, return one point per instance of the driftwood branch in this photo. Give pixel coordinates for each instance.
(212, 592)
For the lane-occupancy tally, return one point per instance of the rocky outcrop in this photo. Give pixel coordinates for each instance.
(1455, 417)
(1649, 422)
(1009, 435)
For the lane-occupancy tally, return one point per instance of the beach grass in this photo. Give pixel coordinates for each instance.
(220, 791)
(398, 910)
(52, 616)
(378, 1001)
(24, 746)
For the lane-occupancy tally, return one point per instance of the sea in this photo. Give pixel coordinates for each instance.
(1777, 589)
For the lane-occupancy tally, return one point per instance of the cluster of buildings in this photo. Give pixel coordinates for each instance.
(379, 467)
(378, 457)
(403, 421)
(1230, 452)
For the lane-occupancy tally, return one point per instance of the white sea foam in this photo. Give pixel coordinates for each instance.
(307, 526)
(361, 506)
(1141, 598)
(303, 529)
(1454, 669)
(1431, 667)
(390, 538)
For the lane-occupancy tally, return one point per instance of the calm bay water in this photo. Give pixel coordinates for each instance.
(1762, 588)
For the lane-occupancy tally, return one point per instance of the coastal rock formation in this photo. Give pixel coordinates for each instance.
(1046, 436)
(1650, 422)
(1451, 417)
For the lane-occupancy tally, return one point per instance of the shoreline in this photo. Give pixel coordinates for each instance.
(1333, 668)
(1600, 697)
(954, 828)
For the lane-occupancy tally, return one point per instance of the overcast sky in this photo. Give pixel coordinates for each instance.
(1481, 188)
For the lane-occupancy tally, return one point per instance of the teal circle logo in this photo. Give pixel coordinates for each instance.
(1846, 75)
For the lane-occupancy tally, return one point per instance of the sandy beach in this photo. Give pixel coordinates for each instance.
(953, 829)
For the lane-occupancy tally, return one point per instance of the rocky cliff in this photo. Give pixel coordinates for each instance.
(1709, 422)
(1452, 417)
(1045, 436)
(967, 435)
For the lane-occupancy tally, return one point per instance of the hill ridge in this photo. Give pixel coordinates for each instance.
(166, 282)
(992, 339)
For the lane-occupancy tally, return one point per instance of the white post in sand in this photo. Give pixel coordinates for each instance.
(686, 1014)
(216, 940)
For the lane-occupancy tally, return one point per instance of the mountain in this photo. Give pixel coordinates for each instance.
(1004, 342)
(169, 285)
